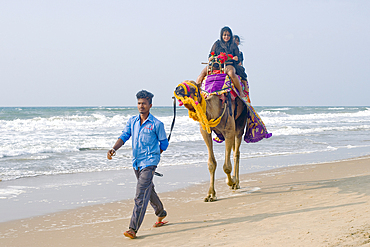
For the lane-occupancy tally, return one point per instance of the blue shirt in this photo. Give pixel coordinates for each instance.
(147, 140)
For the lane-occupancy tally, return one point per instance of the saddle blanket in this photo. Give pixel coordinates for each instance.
(219, 84)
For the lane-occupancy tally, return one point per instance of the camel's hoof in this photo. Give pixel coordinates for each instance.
(229, 182)
(235, 187)
(210, 199)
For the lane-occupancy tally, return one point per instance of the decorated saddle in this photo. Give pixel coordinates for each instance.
(219, 84)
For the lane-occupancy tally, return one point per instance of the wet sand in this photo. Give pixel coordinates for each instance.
(312, 205)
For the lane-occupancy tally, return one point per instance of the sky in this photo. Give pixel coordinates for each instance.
(101, 53)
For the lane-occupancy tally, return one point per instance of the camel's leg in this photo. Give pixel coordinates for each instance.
(239, 126)
(229, 143)
(212, 164)
(236, 149)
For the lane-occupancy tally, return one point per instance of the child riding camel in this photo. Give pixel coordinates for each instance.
(226, 44)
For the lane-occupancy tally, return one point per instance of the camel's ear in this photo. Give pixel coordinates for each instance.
(198, 86)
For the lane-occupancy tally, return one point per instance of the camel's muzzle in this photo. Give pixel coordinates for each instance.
(179, 91)
(187, 91)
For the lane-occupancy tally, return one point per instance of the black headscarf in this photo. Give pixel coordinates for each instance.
(223, 44)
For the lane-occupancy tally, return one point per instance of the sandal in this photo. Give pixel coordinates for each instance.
(159, 224)
(130, 234)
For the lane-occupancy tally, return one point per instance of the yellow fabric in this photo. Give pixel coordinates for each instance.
(200, 109)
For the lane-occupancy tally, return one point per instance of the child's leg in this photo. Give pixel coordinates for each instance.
(240, 70)
(201, 76)
(230, 70)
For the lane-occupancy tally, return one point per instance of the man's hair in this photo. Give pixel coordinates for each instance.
(143, 94)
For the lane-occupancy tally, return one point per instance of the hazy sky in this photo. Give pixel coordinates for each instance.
(100, 53)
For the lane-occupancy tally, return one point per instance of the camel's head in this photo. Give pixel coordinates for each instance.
(187, 94)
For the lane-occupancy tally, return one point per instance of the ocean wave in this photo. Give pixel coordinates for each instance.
(288, 130)
(279, 109)
(337, 108)
(277, 119)
(91, 122)
(327, 148)
(27, 172)
(343, 108)
(47, 141)
(52, 147)
(186, 138)
(97, 162)
(330, 116)
(4, 153)
(38, 157)
(98, 121)
(272, 114)
(59, 122)
(12, 191)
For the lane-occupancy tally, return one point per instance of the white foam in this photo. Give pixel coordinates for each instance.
(288, 130)
(72, 141)
(13, 191)
(279, 109)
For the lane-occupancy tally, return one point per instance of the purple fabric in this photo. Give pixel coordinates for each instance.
(218, 141)
(215, 82)
(256, 129)
(249, 138)
(220, 136)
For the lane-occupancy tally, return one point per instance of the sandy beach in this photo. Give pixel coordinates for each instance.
(312, 205)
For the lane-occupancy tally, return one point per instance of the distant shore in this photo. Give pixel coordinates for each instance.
(311, 205)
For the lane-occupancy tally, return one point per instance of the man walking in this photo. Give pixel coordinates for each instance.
(148, 142)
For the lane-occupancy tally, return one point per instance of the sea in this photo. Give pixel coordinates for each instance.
(54, 158)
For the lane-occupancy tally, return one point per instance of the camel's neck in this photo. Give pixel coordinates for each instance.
(213, 107)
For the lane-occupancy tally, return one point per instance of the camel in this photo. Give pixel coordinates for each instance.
(229, 119)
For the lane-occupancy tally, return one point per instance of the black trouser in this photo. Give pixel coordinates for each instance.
(240, 71)
(144, 193)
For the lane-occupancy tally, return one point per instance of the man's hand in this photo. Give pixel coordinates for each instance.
(112, 151)
(110, 154)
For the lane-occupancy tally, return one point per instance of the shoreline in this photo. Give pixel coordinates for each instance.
(43, 195)
(306, 205)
